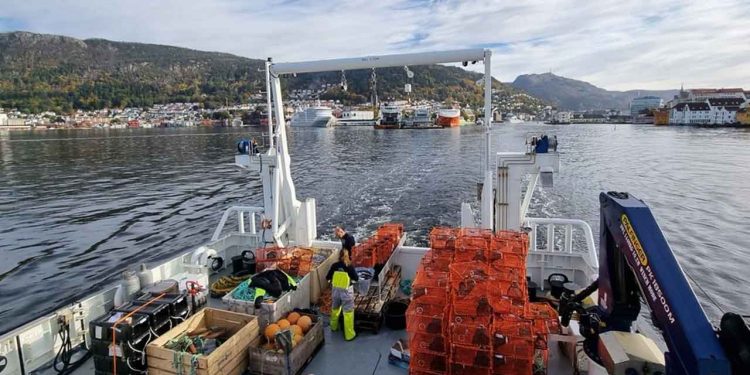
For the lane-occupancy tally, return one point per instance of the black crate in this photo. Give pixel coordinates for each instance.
(127, 349)
(103, 365)
(131, 329)
(158, 315)
(178, 304)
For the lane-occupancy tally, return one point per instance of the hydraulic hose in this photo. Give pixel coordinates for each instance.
(65, 354)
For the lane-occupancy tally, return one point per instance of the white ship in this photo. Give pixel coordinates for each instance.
(357, 118)
(314, 117)
(390, 116)
(598, 338)
(420, 117)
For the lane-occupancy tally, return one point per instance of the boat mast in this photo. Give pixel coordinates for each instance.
(269, 61)
(486, 205)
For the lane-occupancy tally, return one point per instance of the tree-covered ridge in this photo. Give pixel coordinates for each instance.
(48, 72)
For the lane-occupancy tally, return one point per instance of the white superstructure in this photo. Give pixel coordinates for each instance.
(316, 117)
(391, 114)
(421, 115)
(355, 115)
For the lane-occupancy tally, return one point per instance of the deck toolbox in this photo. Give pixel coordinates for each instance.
(229, 358)
(269, 362)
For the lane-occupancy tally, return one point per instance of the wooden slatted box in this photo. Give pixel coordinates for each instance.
(229, 358)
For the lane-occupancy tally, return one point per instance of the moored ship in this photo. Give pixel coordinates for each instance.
(315, 117)
(390, 117)
(449, 117)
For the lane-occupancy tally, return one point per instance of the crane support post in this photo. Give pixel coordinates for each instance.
(630, 232)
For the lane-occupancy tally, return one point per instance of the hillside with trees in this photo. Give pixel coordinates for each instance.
(56, 73)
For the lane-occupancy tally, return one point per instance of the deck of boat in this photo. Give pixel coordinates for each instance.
(367, 354)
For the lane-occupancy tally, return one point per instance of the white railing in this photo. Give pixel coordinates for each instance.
(241, 212)
(567, 245)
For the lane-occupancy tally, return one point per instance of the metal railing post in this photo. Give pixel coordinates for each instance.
(569, 238)
(241, 219)
(550, 237)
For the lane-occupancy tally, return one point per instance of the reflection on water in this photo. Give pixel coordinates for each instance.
(76, 208)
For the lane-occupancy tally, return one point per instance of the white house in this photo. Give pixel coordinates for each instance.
(723, 115)
(724, 110)
(691, 113)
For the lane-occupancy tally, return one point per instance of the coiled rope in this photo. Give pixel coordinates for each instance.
(244, 292)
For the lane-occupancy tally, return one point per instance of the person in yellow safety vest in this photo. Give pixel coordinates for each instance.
(341, 275)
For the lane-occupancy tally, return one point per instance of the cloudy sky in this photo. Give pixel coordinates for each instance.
(623, 44)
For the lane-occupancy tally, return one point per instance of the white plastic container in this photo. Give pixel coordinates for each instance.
(271, 312)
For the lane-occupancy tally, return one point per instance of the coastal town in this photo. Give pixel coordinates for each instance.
(702, 107)
(254, 113)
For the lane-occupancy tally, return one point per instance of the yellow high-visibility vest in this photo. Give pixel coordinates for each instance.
(341, 280)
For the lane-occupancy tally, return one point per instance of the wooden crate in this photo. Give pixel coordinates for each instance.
(266, 362)
(229, 358)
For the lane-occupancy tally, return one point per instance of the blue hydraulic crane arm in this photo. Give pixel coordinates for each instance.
(630, 232)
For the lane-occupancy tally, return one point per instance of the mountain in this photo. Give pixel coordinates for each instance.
(48, 72)
(42, 72)
(572, 94)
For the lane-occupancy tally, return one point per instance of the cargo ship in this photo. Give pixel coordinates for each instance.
(449, 117)
(501, 293)
(390, 117)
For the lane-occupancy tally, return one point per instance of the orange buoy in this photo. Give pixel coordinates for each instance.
(271, 331)
(293, 317)
(305, 323)
(297, 330)
(296, 339)
(283, 324)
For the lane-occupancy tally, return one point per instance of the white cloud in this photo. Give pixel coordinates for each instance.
(614, 44)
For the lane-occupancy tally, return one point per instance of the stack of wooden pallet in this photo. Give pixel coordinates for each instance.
(368, 309)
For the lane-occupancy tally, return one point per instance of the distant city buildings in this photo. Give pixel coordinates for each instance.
(644, 105)
(707, 107)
